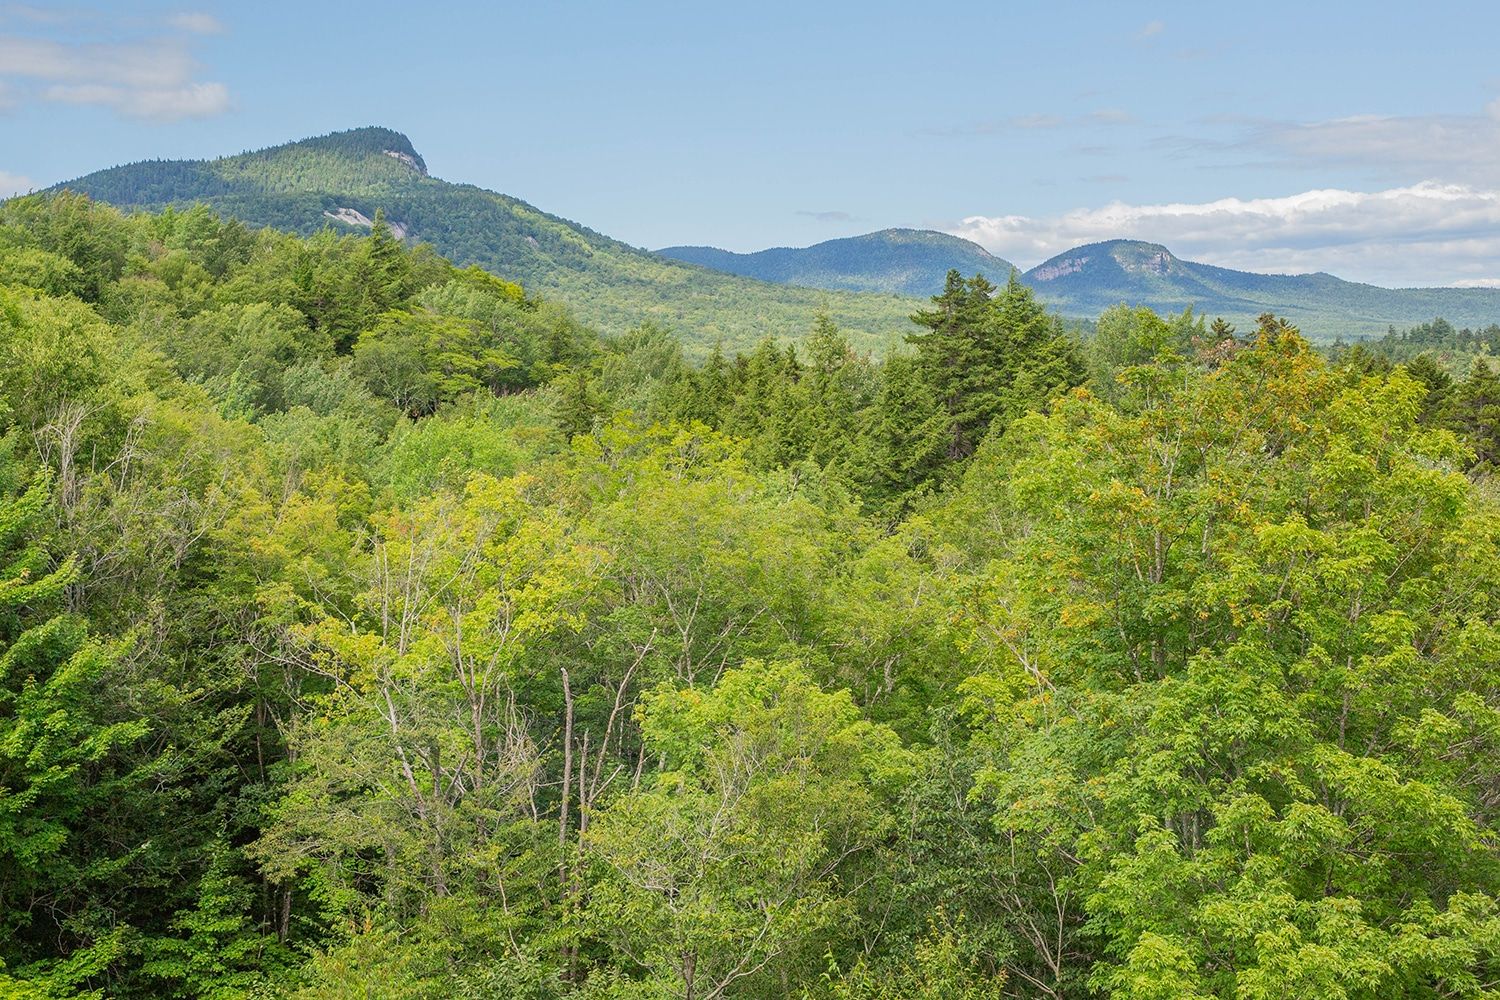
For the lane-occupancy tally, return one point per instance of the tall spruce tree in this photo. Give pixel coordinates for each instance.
(958, 359)
(988, 358)
(1474, 411)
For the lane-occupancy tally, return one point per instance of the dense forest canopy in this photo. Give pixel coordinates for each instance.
(1445, 343)
(371, 627)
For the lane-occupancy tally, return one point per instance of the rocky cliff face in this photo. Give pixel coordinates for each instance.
(408, 159)
(354, 217)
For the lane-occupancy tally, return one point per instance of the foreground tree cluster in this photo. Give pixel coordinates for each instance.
(368, 628)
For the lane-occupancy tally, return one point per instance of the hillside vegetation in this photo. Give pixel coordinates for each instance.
(301, 187)
(372, 627)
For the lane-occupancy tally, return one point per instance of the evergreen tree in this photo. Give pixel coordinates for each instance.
(1473, 410)
(1437, 383)
(714, 389)
(990, 358)
(904, 440)
(836, 391)
(961, 360)
(577, 407)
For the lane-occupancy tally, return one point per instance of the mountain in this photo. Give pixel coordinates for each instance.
(1086, 280)
(708, 295)
(904, 261)
(343, 179)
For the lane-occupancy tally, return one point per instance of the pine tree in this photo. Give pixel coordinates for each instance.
(989, 358)
(1438, 383)
(1474, 411)
(577, 406)
(834, 392)
(714, 389)
(906, 433)
(958, 359)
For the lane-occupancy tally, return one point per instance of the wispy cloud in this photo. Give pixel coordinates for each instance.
(55, 16)
(196, 22)
(193, 100)
(833, 216)
(154, 77)
(1396, 149)
(1452, 146)
(1422, 234)
(1151, 29)
(1036, 122)
(14, 184)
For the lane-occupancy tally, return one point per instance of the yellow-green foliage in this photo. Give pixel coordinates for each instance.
(369, 627)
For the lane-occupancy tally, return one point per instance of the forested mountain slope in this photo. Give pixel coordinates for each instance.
(345, 178)
(904, 261)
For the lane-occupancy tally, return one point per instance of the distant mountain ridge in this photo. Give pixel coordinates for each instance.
(903, 261)
(345, 178)
(870, 284)
(1086, 280)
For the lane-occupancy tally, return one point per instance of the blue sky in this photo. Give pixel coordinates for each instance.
(1358, 138)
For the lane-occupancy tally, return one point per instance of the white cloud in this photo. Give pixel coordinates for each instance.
(155, 78)
(154, 64)
(1151, 29)
(42, 15)
(1451, 146)
(14, 184)
(194, 100)
(1423, 234)
(196, 22)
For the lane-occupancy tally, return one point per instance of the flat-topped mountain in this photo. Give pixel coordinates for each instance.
(344, 178)
(904, 261)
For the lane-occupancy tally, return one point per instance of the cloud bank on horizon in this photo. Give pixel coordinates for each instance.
(1390, 237)
(1444, 229)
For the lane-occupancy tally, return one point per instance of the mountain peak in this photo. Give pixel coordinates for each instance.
(361, 161)
(1127, 255)
(360, 142)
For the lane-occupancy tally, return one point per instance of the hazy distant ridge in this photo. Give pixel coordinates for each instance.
(1086, 280)
(904, 261)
